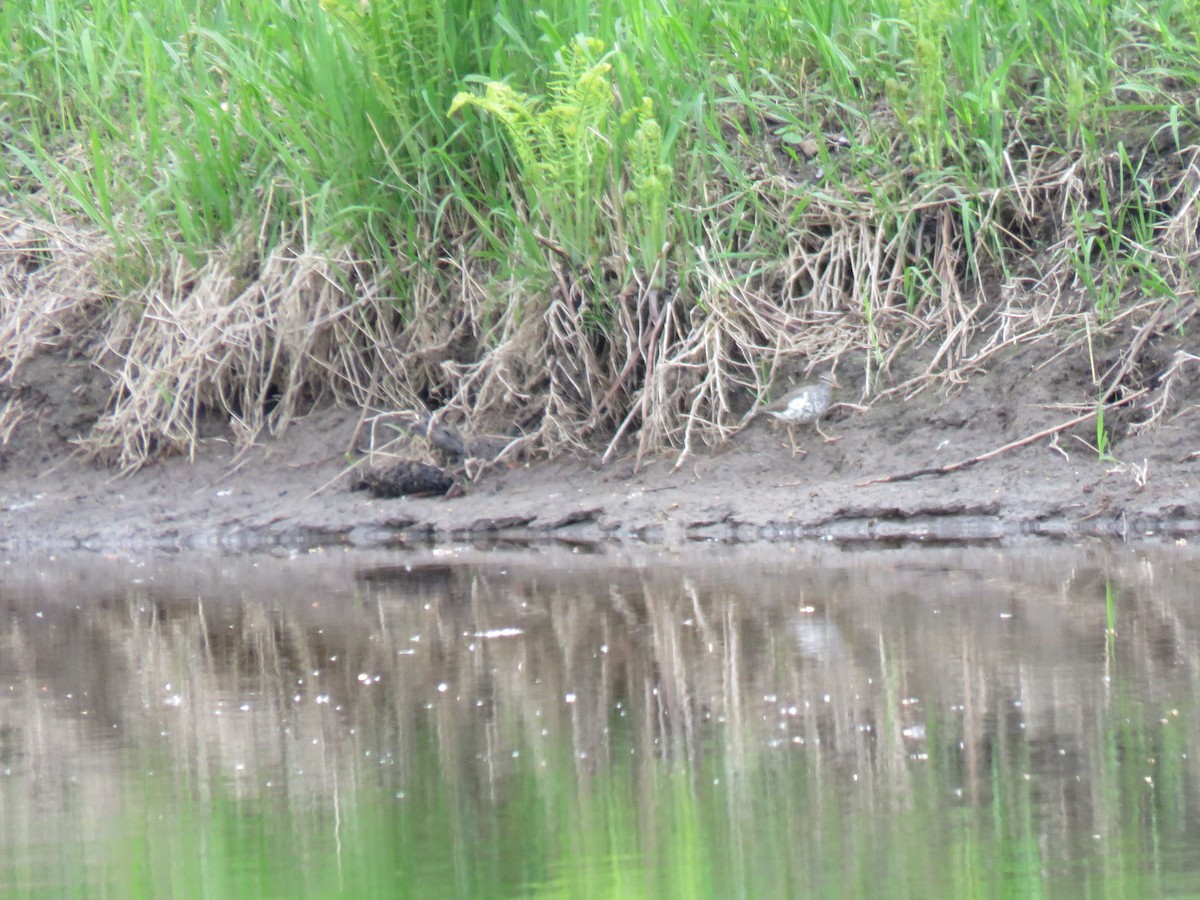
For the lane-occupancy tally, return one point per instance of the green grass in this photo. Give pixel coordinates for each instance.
(624, 271)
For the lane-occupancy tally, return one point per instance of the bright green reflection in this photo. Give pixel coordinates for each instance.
(909, 724)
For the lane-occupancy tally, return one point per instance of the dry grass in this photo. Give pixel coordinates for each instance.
(51, 287)
(253, 347)
(561, 364)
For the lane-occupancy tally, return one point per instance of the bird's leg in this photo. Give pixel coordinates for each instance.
(792, 440)
(829, 439)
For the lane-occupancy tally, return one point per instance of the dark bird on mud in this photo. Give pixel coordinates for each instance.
(407, 478)
(450, 441)
(444, 437)
(805, 406)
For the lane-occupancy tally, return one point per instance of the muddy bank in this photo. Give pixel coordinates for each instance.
(293, 490)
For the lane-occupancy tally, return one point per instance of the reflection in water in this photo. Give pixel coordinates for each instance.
(738, 723)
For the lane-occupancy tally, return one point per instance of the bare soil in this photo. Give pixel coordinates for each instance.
(294, 489)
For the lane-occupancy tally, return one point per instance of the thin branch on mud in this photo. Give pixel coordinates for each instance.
(966, 463)
(1128, 358)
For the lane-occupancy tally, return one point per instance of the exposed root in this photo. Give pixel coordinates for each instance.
(1161, 401)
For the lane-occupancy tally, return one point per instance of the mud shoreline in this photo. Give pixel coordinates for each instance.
(293, 490)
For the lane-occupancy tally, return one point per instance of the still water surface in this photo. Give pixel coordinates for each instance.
(722, 722)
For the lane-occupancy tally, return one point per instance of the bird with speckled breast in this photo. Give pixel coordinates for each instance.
(804, 406)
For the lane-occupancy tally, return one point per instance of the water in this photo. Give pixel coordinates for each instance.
(721, 722)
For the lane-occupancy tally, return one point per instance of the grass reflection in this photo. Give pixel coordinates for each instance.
(907, 725)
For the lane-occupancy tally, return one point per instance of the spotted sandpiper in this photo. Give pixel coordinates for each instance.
(804, 406)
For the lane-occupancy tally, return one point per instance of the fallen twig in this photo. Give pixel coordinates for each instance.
(970, 461)
(1128, 358)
